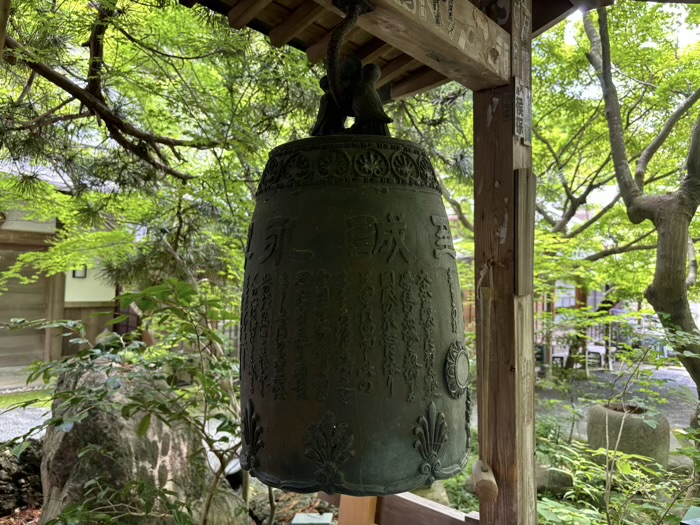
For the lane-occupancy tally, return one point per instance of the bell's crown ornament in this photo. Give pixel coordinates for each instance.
(354, 372)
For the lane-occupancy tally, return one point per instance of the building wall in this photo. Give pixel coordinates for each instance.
(16, 221)
(89, 289)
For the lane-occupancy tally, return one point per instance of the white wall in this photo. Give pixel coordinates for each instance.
(15, 221)
(695, 310)
(87, 290)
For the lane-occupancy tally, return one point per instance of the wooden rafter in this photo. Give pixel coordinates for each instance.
(318, 50)
(372, 50)
(420, 80)
(396, 68)
(244, 11)
(305, 15)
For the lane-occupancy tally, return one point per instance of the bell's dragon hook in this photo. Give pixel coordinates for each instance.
(353, 9)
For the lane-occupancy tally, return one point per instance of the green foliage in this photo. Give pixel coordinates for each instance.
(609, 487)
(180, 76)
(185, 379)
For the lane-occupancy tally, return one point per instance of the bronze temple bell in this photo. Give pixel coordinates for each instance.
(354, 371)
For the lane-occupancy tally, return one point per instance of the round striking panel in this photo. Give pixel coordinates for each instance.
(457, 369)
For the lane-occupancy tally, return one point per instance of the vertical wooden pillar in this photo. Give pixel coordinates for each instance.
(357, 511)
(504, 193)
(55, 300)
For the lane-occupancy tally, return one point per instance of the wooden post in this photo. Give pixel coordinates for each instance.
(504, 190)
(357, 511)
(55, 301)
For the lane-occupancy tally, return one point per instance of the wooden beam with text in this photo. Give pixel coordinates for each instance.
(456, 39)
(504, 248)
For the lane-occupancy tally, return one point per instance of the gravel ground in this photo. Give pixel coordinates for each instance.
(674, 384)
(18, 422)
(671, 383)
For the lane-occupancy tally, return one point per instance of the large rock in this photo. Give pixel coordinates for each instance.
(435, 492)
(20, 479)
(170, 458)
(637, 437)
(553, 481)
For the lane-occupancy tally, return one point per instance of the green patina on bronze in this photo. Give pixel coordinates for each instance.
(353, 370)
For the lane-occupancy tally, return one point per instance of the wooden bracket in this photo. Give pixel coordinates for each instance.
(485, 484)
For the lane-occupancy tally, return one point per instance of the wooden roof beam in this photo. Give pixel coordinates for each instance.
(305, 15)
(319, 49)
(461, 43)
(396, 68)
(420, 80)
(372, 50)
(244, 11)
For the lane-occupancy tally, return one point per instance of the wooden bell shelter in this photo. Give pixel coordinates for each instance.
(484, 45)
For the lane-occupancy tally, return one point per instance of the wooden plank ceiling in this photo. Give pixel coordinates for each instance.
(415, 50)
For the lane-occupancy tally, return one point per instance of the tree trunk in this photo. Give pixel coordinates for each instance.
(578, 349)
(668, 293)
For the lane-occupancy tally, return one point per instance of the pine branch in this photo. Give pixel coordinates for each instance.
(137, 141)
(96, 45)
(5, 6)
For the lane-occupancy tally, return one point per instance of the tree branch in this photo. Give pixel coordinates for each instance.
(629, 247)
(33, 123)
(5, 6)
(594, 219)
(117, 127)
(546, 216)
(99, 107)
(162, 54)
(27, 87)
(96, 45)
(46, 120)
(456, 205)
(661, 176)
(690, 186)
(638, 209)
(658, 141)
